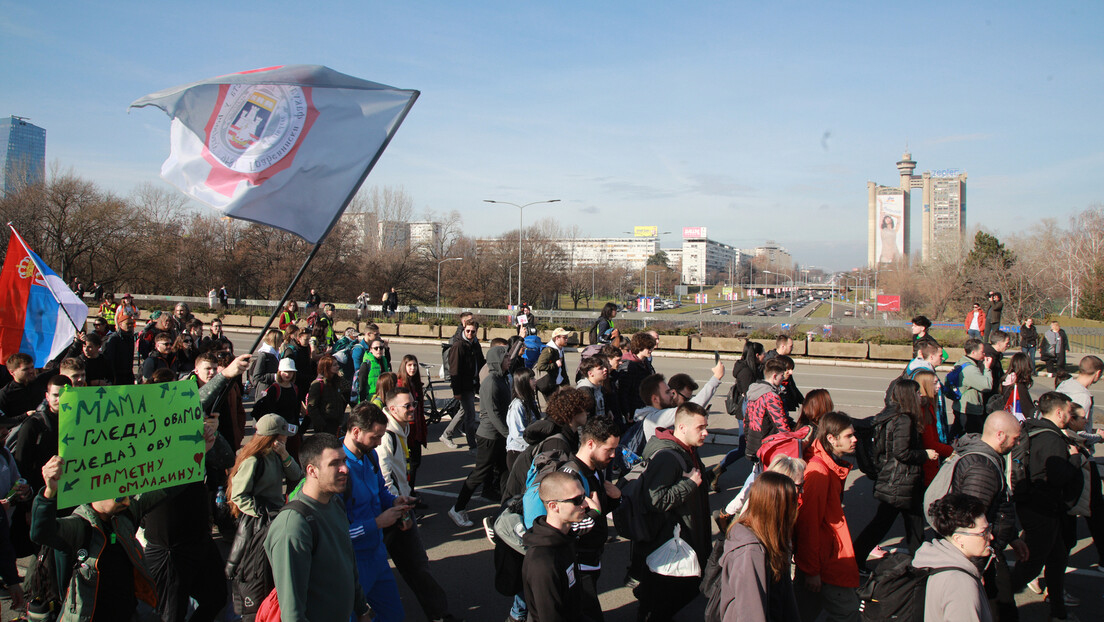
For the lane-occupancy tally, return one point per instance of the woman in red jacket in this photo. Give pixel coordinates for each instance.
(930, 399)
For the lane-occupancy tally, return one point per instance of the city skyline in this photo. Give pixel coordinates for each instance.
(758, 122)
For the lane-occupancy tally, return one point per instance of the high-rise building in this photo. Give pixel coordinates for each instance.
(943, 228)
(774, 257)
(705, 261)
(944, 225)
(22, 154)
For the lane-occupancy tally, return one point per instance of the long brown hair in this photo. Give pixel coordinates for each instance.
(817, 402)
(770, 513)
(259, 446)
(385, 384)
(906, 397)
(325, 367)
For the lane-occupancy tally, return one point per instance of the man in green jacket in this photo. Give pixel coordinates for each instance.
(976, 381)
(313, 563)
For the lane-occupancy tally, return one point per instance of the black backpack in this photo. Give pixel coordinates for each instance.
(866, 456)
(1018, 475)
(896, 590)
(711, 581)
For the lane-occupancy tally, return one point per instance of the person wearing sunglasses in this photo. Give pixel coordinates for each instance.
(549, 574)
(954, 589)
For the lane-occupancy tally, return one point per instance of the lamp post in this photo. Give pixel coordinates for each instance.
(521, 222)
(439, 277)
(791, 285)
(510, 280)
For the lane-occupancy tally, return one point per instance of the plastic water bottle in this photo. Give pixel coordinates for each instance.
(629, 458)
(220, 496)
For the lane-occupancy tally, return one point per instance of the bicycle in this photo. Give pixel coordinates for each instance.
(436, 408)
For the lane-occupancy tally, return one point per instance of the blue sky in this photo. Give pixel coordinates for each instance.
(757, 120)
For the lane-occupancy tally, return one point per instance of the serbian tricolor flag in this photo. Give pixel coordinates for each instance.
(1013, 404)
(39, 315)
(286, 146)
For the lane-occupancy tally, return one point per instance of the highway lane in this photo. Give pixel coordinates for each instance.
(462, 559)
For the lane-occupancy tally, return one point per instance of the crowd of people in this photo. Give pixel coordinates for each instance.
(322, 498)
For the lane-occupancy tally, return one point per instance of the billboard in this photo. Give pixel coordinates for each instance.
(888, 303)
(690, 233)
(889, 243)
(645, 232)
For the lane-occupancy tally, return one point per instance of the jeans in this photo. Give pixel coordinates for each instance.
(973, 334)
(839, 604)
(469, 418)
(879, 526)
(518, 609)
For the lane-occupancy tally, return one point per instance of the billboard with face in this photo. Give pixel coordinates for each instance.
(890, 224)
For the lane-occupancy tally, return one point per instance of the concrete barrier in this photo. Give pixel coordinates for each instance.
(890, 353)
(800, 348)
(238, 320)
(389, 330)
(829, 349)
(420, 330)
(720, 344)
(494, 333)
(955, 355)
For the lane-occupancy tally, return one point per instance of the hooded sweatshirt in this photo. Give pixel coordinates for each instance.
(749, 592)
(766, 415)
(549, 574)
(393, 455)
(494, 398)
(951, 597)
(665, 417)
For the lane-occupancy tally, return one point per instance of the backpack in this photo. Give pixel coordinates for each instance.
(269, 610)
(12, 441)
(866, 447)
(940, 486)
(736, 405)
(40, 587)
(790, 444)
(533, 347)
(711, 581)
(896, 590)
(952, 384)
(1019, 478)
(592, 334)
(630, 518)
(445, 374)
(544, 463)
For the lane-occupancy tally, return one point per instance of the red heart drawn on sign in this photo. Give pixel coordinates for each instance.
(198, 458)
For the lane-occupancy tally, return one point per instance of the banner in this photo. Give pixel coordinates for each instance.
(645, 232)
(129, 439)
(39, 314)
(283, 146)
(701, 298)
(646, 305)
(690, 233)
(889, 244)
(889, 303)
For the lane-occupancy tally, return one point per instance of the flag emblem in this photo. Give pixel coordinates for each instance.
(256, 126)
(26, 268)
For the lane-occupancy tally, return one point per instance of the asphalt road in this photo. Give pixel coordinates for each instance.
(462, 559)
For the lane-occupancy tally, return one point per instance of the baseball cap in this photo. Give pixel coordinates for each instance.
(560, 331)
(274, 425)
(287, 365)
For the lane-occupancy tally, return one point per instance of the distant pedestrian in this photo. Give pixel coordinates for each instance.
(993, 314)
(1053, 348)
(1029, 340)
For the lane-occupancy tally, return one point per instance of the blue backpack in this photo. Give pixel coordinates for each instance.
(543, 463)
(533, 347)
(952, 384)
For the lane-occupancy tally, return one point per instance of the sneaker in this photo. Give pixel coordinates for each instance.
(460, 518)
(448, 442)
(488, 529)
(1035, 586)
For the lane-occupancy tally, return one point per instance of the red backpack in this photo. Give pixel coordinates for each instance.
(790, 444)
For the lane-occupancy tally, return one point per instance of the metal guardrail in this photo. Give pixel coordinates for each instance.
(1082, 339)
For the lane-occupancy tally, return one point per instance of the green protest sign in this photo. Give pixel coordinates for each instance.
(125, 440)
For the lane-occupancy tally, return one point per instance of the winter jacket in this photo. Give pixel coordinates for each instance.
(633, 371)
(263, 368)
(1054, 480)
(746, 374)
(672, 498)
(465, 360)
(655, 418)
(1029, 336)
(546, 366)
(970, 318)
(592, 542)
(118, 349)
(950, 596)
(84, 530)
(930, 438)
(494, 398)
(598, 395)
(822, 539)
(977, 475)
(393, 456)
(766, 415)
(254, 495)
(1054, 345)
(902, 454)
(549, 574)
(326, 402)
(993, 314)
(976, 381)
(749, 592)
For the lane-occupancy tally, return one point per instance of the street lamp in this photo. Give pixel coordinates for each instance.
(510, 280)
(792, 286)
(521, 221)
(439, 277)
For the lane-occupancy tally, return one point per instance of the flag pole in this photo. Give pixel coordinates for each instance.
(340, 212)
(44, 281)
